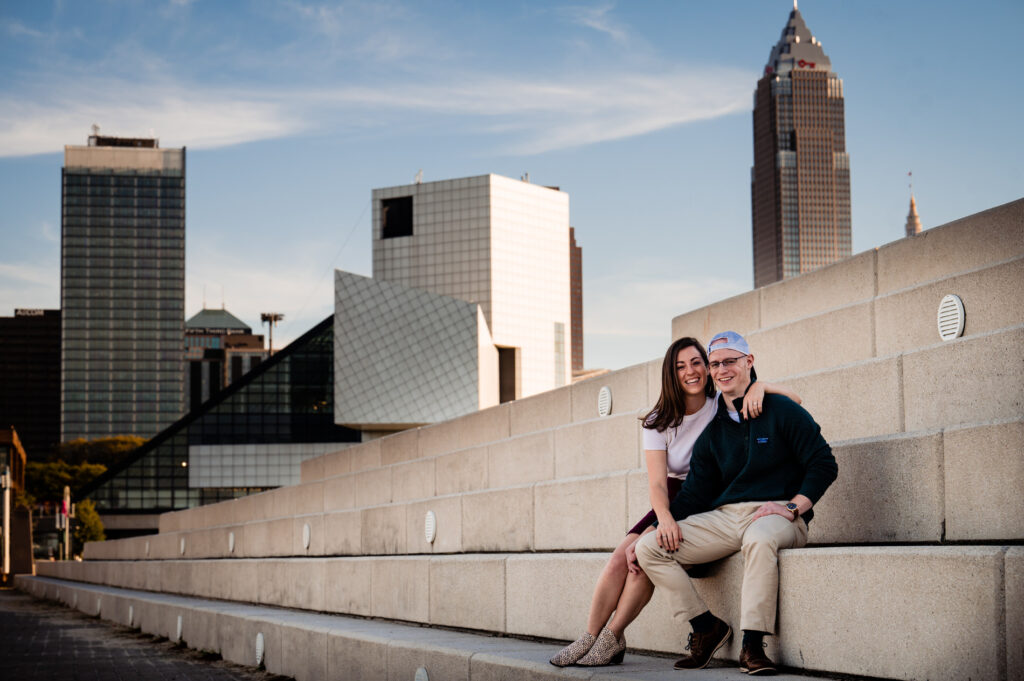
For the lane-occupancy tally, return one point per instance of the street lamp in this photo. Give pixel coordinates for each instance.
(271, 318)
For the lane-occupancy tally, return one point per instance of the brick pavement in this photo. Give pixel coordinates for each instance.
(41, 640)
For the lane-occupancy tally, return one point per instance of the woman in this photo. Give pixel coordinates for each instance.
(687, 404)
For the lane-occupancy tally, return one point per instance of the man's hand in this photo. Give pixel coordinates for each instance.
(771, 508)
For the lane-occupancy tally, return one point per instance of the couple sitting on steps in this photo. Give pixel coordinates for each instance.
(734, 471)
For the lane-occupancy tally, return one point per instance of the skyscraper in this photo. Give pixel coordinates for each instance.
(122, 287)
(800, 181)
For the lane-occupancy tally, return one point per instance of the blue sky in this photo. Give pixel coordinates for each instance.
(292, 111)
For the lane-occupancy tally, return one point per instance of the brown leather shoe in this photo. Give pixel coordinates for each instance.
(703, 646)
(754, 661)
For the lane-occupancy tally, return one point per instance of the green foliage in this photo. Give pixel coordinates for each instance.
(107, 451)
(45, 481)
(88, 526)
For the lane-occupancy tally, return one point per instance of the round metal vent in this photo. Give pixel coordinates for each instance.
(430, 527)
(147, 548)
(306, 534)
(131, 615)
(259, 649)
(182, 549)
(99, 606)
(231, 542)
(421, 675)
(177, 634)
(74, 601)
(604, 401)
(951, 317)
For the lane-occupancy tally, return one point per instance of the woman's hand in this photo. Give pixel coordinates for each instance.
(753, 401)
(669, 534)
(631, 563)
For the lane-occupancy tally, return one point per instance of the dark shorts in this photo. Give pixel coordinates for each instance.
(673, 489)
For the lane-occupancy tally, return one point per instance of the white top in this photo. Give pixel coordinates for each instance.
(678, 442)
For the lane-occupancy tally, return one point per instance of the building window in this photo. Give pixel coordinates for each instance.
(396, 217)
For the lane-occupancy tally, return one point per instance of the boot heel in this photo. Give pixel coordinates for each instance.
(620, 657)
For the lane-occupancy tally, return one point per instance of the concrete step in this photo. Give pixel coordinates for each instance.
(954, 611)
(959, 484)
(311, 646)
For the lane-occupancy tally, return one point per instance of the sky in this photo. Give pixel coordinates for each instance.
(293, 111)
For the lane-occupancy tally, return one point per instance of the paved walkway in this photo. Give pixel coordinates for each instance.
(45, 641)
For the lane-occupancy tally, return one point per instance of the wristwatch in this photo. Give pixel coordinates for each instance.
(794, 509)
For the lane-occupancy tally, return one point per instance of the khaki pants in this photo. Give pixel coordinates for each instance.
(716, 534)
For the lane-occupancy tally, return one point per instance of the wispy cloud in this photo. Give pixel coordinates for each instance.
(48, 231)
(598, 18)
(522, 114)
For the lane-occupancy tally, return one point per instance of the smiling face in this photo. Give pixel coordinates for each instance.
(732, 378)
(691, 371)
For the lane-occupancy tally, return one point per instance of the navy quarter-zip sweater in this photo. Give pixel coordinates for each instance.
(774, 457)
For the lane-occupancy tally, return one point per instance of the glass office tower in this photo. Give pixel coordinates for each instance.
(800, 181)
(122, 287)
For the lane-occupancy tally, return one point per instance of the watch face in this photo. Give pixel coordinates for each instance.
(791, 507)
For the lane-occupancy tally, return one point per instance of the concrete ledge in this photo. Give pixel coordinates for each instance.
(628, 390)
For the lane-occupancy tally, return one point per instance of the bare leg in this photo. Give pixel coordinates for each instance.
(610, 587)
(635, 595)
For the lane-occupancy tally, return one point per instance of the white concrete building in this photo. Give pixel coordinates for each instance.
(494, 241)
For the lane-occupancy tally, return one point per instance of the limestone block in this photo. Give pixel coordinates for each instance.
(862, 400)
(549, 595)
(383, 530)
(175, 576)
(311, 470)
(171, 521)
(599, 446)
(316, 535)
(343, 533)
(100, 550)
(941, 606)
(268, 538)
(304, 499)
(303, 653)
(905, 320)
(357, 657)
(373, 487)
(586, 513)
(946, 385)
(741, 314)
(364, 456)
(540, 412)
(1014, 572)
(163, 546)
(851, 280)
(523, 459)
(234, 580)
(987, 237)
(199, 629)
(628, 388)
(339, 493)
(151, 575)
(984, 467)
(150, 617)
(794, 348)
(439, 438)
(654, 380)
(403, 446)
(484, 426)
(266, 505)
(498, 520)
(468, 592)
(888, 490)
(461, 471)
(198, 544)
(401, 588)
(404, 659)
(348, 586)
(638, 497)
(291, 583)
(413, 480)
(448, 525)
(237, 635)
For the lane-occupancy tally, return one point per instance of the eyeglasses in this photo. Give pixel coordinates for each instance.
(727, 362)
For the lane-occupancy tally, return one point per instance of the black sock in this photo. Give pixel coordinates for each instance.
(753, 639)
(703, 622)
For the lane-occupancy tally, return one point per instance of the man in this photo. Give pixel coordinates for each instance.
(751, 488)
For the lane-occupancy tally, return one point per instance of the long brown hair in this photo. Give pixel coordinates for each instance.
(671, 405)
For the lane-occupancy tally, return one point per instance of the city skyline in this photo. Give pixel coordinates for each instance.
(292, 112)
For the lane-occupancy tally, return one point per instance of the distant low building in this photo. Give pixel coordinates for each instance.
(219, 349)
(30, 379)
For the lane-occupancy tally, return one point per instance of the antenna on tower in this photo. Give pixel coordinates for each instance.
(794, 6)
(204, 296)
(419, 177)
(910, 182)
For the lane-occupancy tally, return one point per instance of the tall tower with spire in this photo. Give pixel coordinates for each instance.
(800, 181)
(913, 221)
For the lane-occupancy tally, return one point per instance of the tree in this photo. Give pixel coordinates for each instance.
(46, 481)
(108, 451)
(88, 526)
